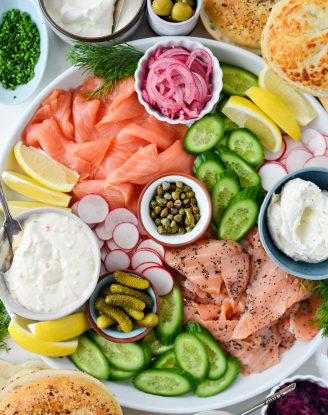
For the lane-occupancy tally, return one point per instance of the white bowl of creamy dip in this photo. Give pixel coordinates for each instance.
(55, 268)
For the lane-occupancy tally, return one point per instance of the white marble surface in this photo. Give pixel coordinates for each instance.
(8, 116)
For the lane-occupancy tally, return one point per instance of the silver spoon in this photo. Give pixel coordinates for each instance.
(11, 226)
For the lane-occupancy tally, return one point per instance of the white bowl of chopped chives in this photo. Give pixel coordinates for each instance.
(23, 52)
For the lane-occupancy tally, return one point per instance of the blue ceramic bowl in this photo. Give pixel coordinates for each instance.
(319, 271)
(113, 334)
(23, 92)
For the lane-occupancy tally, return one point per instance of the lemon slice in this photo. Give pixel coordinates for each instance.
(297, 104)
(23, 337)
(29, 188)
(45, 170)
(19, 206)
(246, 114)
(274, 108)
(62, 329)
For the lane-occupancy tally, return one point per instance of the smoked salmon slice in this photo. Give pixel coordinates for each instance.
(235, 272)
(85, 112)
(303, 321)
(175, 159)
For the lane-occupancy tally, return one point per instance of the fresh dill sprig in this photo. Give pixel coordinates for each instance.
(321, 316)
(4, 323)
(117, 60)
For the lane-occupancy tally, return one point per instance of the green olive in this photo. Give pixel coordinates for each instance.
(181, 12)
(162, 7)
(190, 2)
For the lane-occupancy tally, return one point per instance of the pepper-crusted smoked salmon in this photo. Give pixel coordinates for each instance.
(303, 321)
(235, 273)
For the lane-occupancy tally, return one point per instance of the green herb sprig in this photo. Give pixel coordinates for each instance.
(321, 316)
(4, 323)
(117, 60)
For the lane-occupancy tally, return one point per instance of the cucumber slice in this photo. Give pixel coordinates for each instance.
(170, 316)
(167, 360)
(206, 168)
(246, 144)
(192, 356)
(123, 356)
(247, 175)
(240, 214)
(213, 387)
(120, 375)
(237, 80)
(204, 134)
(147, 352)
(89, 359)
(221, 103)
(229, 125)
(226, 186)
(217, 359)
(156, 347)
(222, 142)
(164, 382)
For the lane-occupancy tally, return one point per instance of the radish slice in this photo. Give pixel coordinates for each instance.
(308, 135)
(319, 161)
(269, 156)
(99, 241)
(117, 216)
(112, 245)
(103, 270)
(103, 253)
(74, 207)
(271, 173)
(140, 268)
(296, 159)
(101, 232)
(117, 260)
(126, 235)
(161, 279)
(291, 145)
(92, 209)
(317, 145)
(145, 255)
(149, 243)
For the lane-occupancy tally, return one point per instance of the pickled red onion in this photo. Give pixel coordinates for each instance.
(178, 82)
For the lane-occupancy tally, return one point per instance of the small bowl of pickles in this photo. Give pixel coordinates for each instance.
(173, 17)
(124, 307)
(175, 209)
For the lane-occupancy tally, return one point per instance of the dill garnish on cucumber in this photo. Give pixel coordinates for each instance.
(321, 316)
(4, 323)
(111, 62)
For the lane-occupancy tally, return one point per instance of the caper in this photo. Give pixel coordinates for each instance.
(168, 229)
(178, 218)
(166, 186)
(182, 196)
(173, 224)
(195, 209)
(179, 184)
(181, 230)
(169, 204)
(160, 201)
(164, 212)
(157, 221)
(162, 7)
(159, 190)
(157, 210)
(190, 194)
(178, 204)
(190, 228)
(186, 201)
(197, 217)
(181, 211)
(193, 201)
(189, 217)
(186, 188)
(174, 210)
(165, 222)
(167, 196)
(170, 216)
(160, 229)
(153, 204)
(175, 195)
(181, 12)
(153, 214)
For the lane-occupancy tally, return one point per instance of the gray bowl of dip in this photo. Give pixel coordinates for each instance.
(300, 266)
(55, 268)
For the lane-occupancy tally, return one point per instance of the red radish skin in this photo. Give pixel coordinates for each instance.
(92, 225)
(145, 255)
(291, 145)
(161, 279)
(317, 146)
(144, 266)
(269, 156)
(271, 173)
(296, 159)
(92, 209)
(126, 235)
(155, 246)
(117, 216)
(319, 161)
(99, 241)
(117, 260)
(103, 253)
(101, 232)
(111, 245)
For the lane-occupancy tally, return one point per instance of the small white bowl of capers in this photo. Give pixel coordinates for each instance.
(173, 17)
(175, 209)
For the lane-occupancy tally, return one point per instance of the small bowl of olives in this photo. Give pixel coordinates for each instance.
(173, 17)
(175, 209)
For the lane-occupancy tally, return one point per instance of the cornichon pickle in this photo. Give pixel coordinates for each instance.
(136, 314)
(130, 280)
(121, 300)
(150, 320)
(121, 289)
(116, 313)
(103, 321)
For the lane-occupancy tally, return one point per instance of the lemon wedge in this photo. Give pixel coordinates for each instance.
(19, 332)
(62, 329)
(274, 108)
(19, 206)
(246, 114)
(29, 188)
(297, 104)
(45, 170)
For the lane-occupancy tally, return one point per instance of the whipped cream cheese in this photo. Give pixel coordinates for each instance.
(53, 264)
(298, 221)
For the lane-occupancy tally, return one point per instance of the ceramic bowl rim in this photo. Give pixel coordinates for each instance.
(175, 24)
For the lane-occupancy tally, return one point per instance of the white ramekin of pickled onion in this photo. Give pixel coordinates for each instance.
(178, 80)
